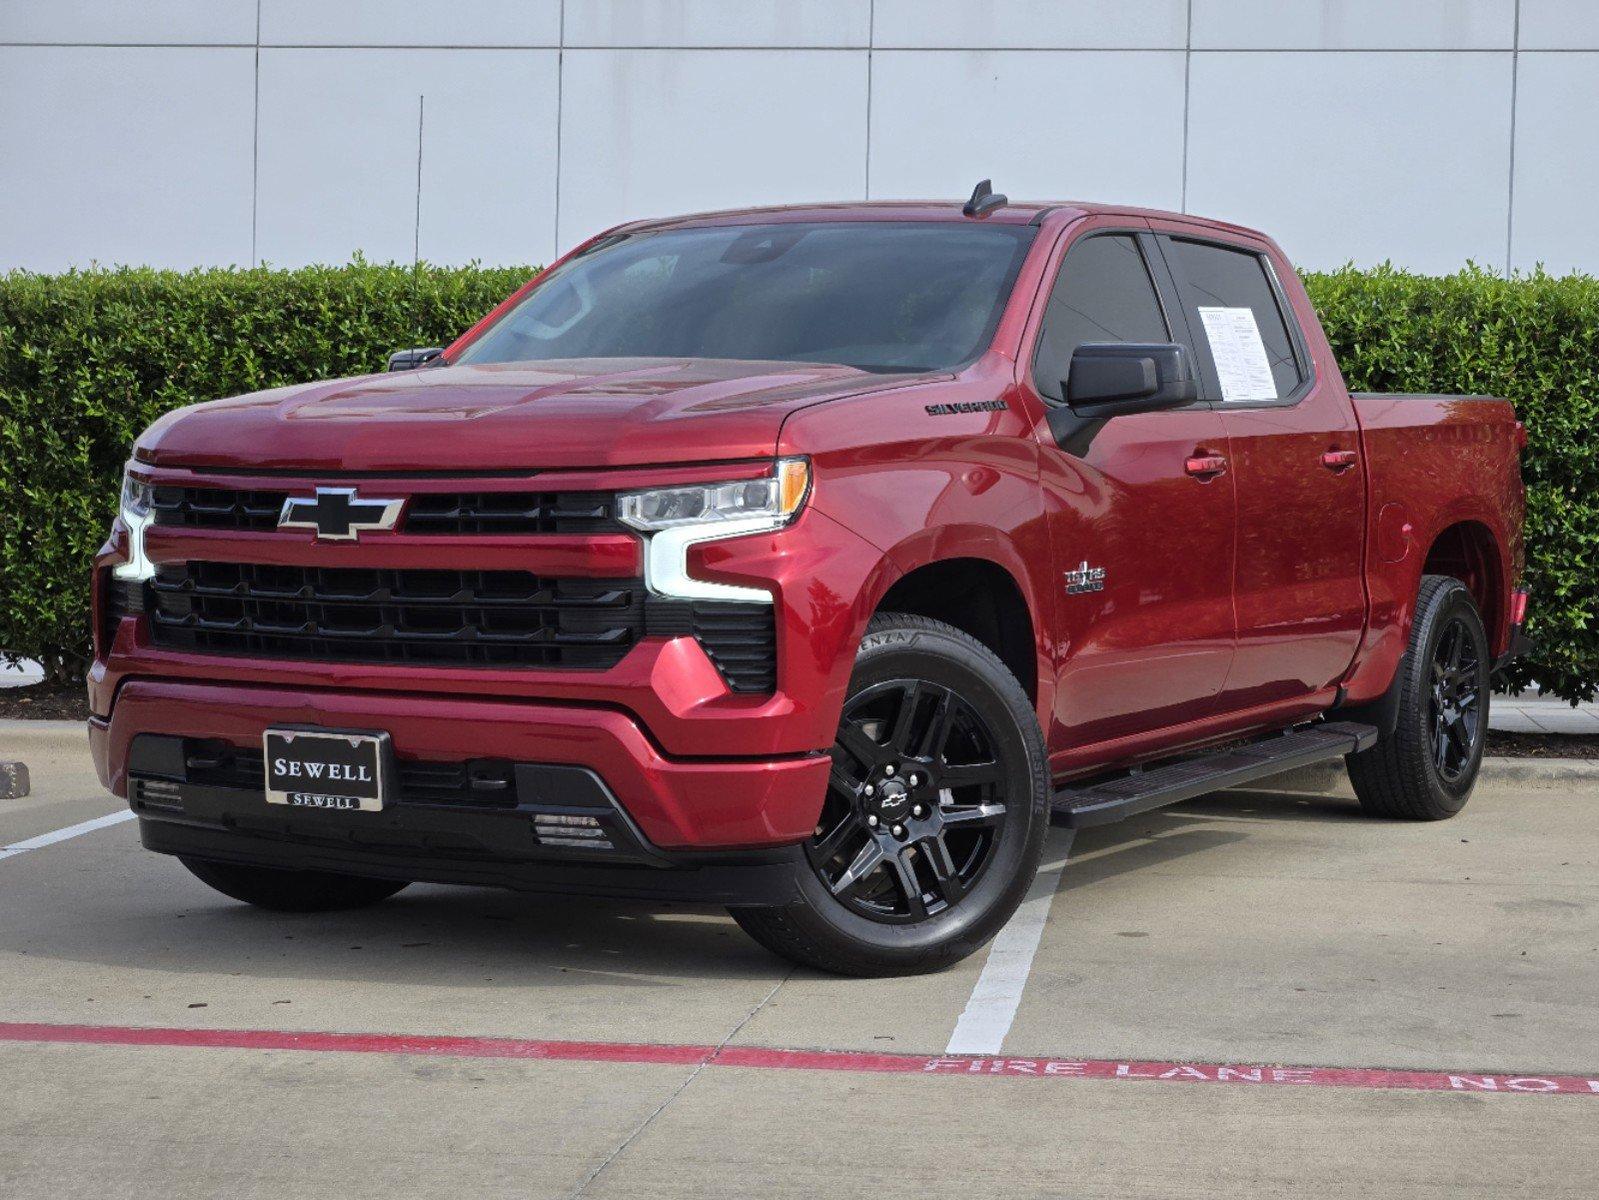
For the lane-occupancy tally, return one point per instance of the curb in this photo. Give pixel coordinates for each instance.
(1535, 772)
(19, 735)
(1540, 770)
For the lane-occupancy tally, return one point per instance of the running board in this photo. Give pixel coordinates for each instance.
(1141, 791)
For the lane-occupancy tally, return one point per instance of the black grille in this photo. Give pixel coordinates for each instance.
(479, 618)
(741, 639)
(426, 513)
(510, 512)
(478, 783)
(217, 508)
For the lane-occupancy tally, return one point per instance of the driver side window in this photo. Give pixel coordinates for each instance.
(1103, 293)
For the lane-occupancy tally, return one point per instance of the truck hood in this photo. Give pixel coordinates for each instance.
(588, 413)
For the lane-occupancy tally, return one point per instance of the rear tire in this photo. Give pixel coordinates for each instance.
(1425, 769)
(935, 814)
(292, 891)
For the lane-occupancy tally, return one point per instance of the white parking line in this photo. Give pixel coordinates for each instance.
(61, 835)
(988, 1014)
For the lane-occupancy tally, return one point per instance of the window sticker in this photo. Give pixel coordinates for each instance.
(1239, 354)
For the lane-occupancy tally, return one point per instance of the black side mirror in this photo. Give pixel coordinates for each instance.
(1112, 379)
(410, 360)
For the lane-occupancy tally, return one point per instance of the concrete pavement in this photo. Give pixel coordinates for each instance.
(1273, 926)
(1542, 714)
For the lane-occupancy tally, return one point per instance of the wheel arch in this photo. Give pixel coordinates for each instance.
(1466, 540)
(1467, 550)
(983, 589)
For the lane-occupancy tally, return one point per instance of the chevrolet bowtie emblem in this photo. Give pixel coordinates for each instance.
(337, 514)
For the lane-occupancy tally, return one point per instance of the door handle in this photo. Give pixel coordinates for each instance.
(1205, 466)
(1339, 460)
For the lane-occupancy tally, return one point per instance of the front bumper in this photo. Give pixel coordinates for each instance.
(693, 764)
(673, 804)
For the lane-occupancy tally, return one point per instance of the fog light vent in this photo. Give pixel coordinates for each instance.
(158, 793)
(566, 829)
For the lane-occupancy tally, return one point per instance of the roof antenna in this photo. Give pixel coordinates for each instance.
(984, 200)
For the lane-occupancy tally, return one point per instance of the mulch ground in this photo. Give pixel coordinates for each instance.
(1542, 745)
(48, 702)
(45, 702)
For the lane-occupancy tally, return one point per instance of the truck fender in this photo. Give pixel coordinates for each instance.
(954, 543)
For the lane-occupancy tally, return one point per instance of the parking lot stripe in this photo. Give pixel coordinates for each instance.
(61, 835)
(767, 1058)
(988, 1015)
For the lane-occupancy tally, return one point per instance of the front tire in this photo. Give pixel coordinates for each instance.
(292, 891)
(935, 815)
(1425, 769)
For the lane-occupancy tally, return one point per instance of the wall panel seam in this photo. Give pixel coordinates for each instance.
(1188, 74)
(1510, 197)
(871, 39)
(560, 111)
(733, 48)
(255, 144)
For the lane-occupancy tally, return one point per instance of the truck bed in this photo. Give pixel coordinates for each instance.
(1444, 488)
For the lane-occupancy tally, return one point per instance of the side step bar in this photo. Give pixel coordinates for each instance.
(1141, 791)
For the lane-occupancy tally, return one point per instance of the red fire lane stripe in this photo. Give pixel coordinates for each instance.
(764, 1058)
(354, 1043)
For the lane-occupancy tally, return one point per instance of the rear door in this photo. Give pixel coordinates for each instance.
(1293, 456)
(1142, 540)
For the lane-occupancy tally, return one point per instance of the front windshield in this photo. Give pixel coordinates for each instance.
(873, 295)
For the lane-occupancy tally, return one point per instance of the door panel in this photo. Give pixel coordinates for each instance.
(1151, 649)
(1299, 588)
(1143, 549)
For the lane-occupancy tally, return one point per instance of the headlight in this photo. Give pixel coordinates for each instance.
(136, 511)
(137, 496)
(776, 498)
(673, 519)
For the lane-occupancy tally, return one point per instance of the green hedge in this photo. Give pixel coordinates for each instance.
(88, 359)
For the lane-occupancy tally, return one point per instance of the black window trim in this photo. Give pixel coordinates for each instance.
(1210, 382)
(1159, 278)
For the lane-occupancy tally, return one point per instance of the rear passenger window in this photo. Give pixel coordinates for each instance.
(1223, 287)
(1103, 294)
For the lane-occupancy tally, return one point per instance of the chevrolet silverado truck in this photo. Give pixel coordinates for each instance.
(807, 561)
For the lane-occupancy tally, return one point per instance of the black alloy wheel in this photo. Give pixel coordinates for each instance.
(934, 816)
(914, 802)
(1424, 767)
(1457, 724)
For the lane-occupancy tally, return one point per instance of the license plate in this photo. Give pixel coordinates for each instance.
(325, 768)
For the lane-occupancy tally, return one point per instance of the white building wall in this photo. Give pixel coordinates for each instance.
(199, 132)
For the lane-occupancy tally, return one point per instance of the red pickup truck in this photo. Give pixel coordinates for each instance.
(805, 561)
